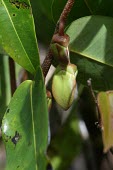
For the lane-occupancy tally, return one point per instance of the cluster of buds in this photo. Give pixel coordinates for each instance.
(64, 78)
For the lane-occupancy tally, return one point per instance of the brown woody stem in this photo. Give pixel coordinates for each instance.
(47, 63)
(64, 15)
(12, 75)
(60, 30)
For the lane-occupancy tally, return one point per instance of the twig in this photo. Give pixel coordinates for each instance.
(47, 63)
(64, 15)
(91, 90)
(60, 30)
(95, 100)
(12, 75)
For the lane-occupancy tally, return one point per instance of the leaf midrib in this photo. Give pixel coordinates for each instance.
(82, 54)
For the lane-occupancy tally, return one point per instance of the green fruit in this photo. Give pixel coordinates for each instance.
(64, 85)
(61, 54)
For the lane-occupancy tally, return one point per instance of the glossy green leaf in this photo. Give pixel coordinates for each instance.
(105, 103)
(25, 127)
(17, 33)
(91, 46)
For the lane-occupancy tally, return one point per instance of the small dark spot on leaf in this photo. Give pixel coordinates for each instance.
(19, 5)
(14, 15)
(16, 138)
(49, 167)
(18, 166)
(7, 111)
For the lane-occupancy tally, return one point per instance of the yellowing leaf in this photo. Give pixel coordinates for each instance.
(105, 103)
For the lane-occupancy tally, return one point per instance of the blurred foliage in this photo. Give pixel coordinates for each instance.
(66, 143)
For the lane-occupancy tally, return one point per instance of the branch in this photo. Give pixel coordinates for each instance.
(95, 101)
(60, 30)
(47, 63)
(64, 15)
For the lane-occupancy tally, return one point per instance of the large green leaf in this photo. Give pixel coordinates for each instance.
(91, 43)
(17, 33)
(25, 127)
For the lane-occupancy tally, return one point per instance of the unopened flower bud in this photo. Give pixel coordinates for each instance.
(64, 85)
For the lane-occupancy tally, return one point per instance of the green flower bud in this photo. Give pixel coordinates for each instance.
(61, 54)
(59, 48)
(64, 85)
